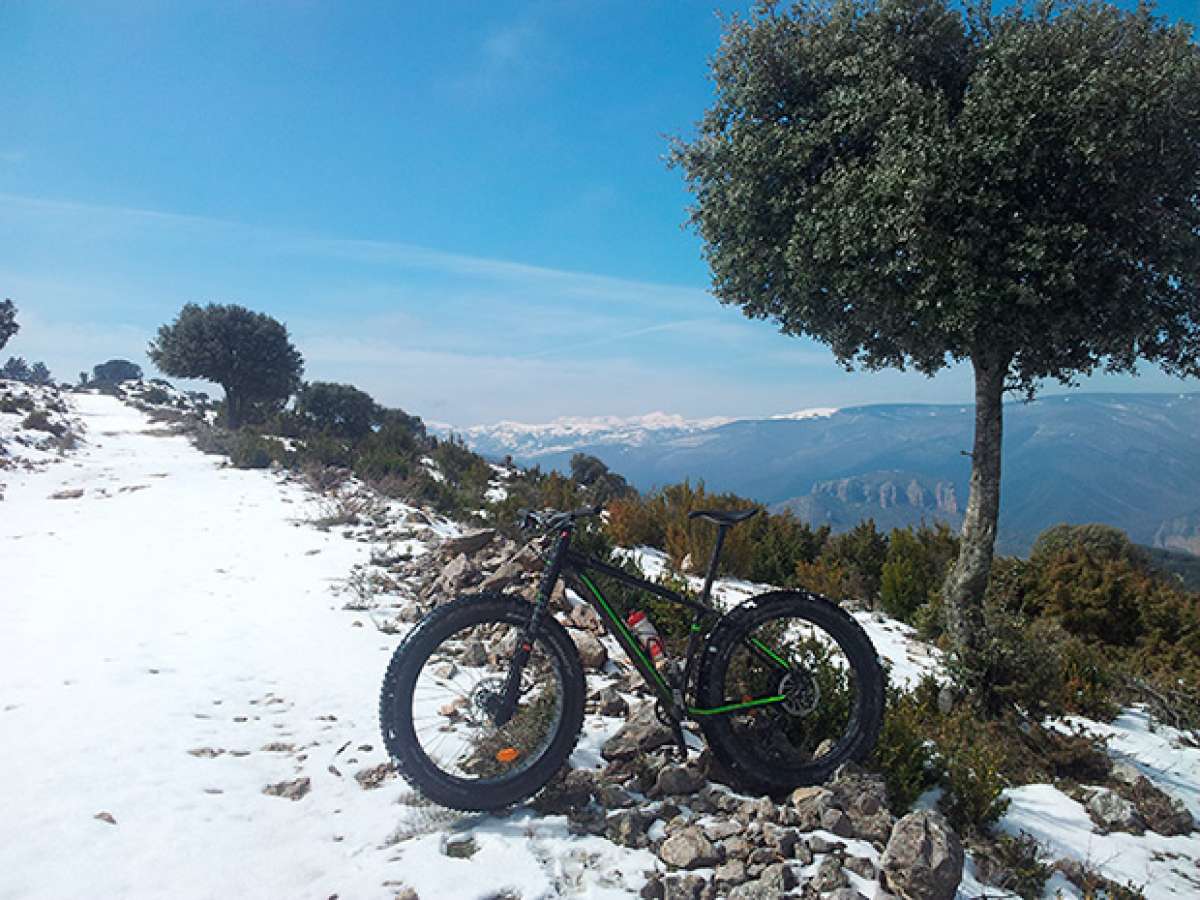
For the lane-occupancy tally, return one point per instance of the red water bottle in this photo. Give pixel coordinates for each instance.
(645, 631)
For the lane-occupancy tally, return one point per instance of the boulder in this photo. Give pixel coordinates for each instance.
(1160, 811)
(642, 733)
(592, 652)
(688, 849)
(679, 780)
(923, 859)
(1112, 812)
(467, 544)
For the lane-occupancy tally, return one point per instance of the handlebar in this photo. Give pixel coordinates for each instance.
(549, 519)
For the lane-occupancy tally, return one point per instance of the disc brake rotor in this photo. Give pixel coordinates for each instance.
(801, 692)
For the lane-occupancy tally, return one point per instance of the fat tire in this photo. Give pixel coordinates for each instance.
(729, 634)
(395, 704)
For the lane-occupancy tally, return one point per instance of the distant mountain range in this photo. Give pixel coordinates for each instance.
(1131, 460)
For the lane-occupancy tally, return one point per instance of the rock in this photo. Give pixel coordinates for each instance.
(838, 822)
(627, 828)
(679, 780)
(290, 790)
(459, 846)
(779, 877)
(682, 887)
(466, 544)
(755, 890)
(652, 889)
(566, 792)
(721, 829)
(504, 577)
(583, 616)
(1161, 812)
(608, 702)
(730, 873)
(105, 817)
(592, 652)
(923, 859)
(737, 848)
(1112, 812)
(474, 654)
(811, 807)
(845, 893)
(688, 849)
(369, 779)
(642, 733)
(818, 844)
(456, 574)
(862, 867)
(406, 894)
(611, 796)
(803, 853)
(829, 875)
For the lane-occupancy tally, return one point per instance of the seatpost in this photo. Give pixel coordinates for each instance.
(712, 564)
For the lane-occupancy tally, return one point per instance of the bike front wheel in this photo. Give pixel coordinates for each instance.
(441, 697)
(790, 688)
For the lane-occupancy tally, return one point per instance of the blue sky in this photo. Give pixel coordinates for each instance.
(463, 209)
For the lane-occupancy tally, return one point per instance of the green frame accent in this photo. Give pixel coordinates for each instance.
(733, 707)
(771, 653)
(633, 641)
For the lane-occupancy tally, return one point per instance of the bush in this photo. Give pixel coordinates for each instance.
(972, 763)
(914, 568)
(904, 753)
(339, 409)
(251, 451)
(39, 421)
(860, 553)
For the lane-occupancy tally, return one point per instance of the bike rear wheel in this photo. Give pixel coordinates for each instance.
(819, 664)
(443, 688)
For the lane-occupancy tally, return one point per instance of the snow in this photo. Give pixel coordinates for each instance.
(178, 605)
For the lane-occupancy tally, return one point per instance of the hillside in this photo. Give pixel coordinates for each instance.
(1128, 460)
(190, 657)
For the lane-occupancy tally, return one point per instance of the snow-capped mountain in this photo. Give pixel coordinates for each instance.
(526, 441)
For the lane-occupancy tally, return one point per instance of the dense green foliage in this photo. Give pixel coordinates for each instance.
(116, 370)
(916, 186)
(249, 354)
(8, 321)
(337, 409)
(17, 369)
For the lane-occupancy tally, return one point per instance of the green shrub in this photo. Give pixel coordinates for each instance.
(251, 451)
(860, 553)
(39, 421)
(972, 764)
(904, 753)
(914, 568)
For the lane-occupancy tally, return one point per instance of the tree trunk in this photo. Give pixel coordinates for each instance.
(233, 409)
(965, 585)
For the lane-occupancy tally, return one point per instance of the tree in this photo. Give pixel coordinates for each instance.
(8, 321)
(916, 188)
(116, 370)
(39, 373)
(339, 409)
(247, 353)
(15, 369)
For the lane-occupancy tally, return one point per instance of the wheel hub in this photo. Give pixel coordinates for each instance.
(801, 692)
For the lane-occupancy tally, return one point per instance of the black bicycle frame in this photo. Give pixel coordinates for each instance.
(574, 566)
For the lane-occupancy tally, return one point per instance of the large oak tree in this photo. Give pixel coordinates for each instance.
(918, 187)
(249, 354)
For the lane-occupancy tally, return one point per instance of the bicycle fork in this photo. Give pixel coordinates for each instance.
(512, 684)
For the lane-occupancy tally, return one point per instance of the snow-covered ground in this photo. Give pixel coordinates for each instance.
(173, 641)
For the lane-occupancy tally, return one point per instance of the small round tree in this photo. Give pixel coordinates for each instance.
(340, 409)
(249, 354)
(8, 321)
(917, 187)
(116, 370)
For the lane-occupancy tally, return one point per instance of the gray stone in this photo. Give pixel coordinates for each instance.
(609, 703)
(737, 847)
(923, 859)
(721, 829)
(473, 654)
(627, 828)
(819, 844)
(779, 877)
(731, 872)
(845, 893)
(679, 780)
(688, 849)
(592, 652)
(460, 846)
(1112, 812)
(862, 867)
(466, 544)
(829, 875)
(642, 733)
(682, 887)
(838, 822)
(289, 790)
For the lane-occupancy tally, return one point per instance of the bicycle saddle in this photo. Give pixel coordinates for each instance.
(724, 517)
